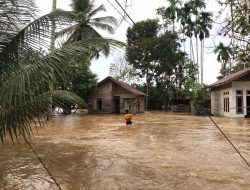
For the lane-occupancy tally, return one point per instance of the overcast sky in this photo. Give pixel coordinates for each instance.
(140, 10)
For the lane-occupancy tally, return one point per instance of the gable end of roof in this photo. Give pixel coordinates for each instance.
(126, 86)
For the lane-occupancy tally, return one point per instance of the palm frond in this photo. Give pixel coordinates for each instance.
(97, 10)
(66, 31)
(35, 35)
(103, 26)
(107, 19)
(84, 32)
(28, 72)
(14, 15)
(81, 6)
(62, 98)
(26, 94)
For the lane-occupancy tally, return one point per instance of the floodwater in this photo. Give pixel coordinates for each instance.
(159, 151)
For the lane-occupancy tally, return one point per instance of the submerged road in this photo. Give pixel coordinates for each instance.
(159, 151)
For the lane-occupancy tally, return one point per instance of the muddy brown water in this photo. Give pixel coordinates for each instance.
(159, 151)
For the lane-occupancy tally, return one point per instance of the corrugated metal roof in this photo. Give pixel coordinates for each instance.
(124, 85)
(231, 77)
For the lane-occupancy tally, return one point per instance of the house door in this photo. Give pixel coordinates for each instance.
(117, 104)
(99, 103)
(138, 104)
(248, 104)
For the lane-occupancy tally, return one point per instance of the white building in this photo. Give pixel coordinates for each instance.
(230, 96)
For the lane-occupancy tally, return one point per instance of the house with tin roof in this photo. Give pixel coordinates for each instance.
(113, 96)
(230, 96)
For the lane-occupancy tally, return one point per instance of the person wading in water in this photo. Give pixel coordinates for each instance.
(128, 117)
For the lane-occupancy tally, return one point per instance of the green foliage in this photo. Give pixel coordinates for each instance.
(84, 21)
(197, 93)
(142, 30)
(29, 72)
(158, 58)
(192, 21)
(236, 28)
(239, 67)
(225, 54)
(154, 102)
(80, 79)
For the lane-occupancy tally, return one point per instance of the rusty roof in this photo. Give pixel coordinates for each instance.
(126, 86)
(230, 78)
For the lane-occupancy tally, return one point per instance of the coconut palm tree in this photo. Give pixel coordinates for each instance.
(28, 69)
(84, 22)
(224, 55)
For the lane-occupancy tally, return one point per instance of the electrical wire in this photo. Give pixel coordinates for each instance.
(229, 141)
(123, 17)
(125, 11)
(41, 161)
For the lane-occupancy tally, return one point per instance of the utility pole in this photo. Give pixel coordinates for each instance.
(53, 28)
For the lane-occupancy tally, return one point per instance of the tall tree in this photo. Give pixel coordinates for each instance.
(204, 24)
(224, 55)
(121, 70)
(27, 73)
(139, 38)
(159, 60)
(193, 22)
(236, 28)
(170, 13)
(84, 22)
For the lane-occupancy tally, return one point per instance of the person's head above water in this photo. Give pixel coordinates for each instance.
(126, 111)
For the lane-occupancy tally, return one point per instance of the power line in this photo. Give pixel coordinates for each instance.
(50, 174)
(125, 11)
(120, 13)
(229, 141)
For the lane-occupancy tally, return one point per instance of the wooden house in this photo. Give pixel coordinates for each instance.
(113, 96)
(230, 96)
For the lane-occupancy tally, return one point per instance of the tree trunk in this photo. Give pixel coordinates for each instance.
(147, 89)
(201, 59)
(232, 30)
(53, 28)
(192, 54)
(197, 57)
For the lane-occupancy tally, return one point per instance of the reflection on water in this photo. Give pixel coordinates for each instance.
(159, 151)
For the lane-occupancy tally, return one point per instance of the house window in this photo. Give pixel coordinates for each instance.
(239, 101)
(226, 101)
(226, 104)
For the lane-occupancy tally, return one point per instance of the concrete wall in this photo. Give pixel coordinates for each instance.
(217, 99)
(240, 85)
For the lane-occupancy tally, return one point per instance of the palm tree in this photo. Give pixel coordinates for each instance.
(84, 22)
(204, 24)
(224, 55)
(196, 7)
(188, 27)
(28, 70)
(170, 13)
